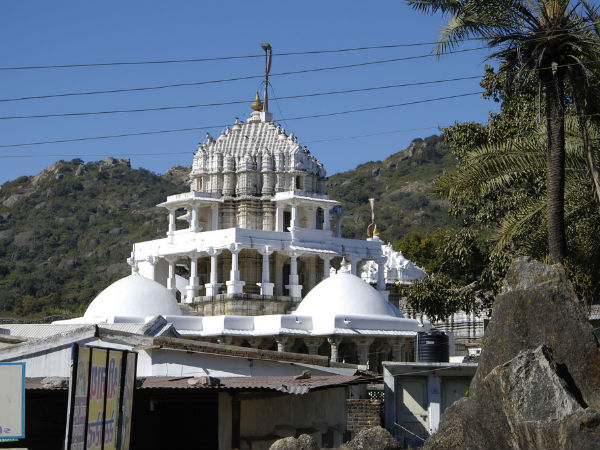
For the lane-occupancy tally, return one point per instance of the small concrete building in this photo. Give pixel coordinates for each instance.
(189, 394)
(417, 393)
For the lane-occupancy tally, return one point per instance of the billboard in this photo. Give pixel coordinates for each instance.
(12, 401)
(99, 412)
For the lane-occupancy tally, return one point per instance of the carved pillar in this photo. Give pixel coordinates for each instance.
(397, 349)
(235, 285)
(294, 218)
(326, 219)
(194, 220)
(326, 265)
(362, 347)
(281, 341)
(334, 342)
(171, 281)
(212, 288)
(293, 286)
(171, 232)
(279, 217)
(152, 260)
(191, 290)
(266, 287)
(215, 217)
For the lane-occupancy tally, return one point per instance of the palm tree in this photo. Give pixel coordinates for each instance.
(554, 38)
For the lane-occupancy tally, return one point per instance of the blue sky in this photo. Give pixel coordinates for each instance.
(60, 32)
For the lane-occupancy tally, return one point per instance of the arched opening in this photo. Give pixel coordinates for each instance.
(324, 349)
(347, 352)
(299, 347)
(320, 218)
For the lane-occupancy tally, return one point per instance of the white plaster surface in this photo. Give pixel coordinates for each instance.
(135, 296)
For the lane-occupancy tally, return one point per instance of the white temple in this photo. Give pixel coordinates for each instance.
(254, 235)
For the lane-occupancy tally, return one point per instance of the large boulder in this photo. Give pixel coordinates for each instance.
(537, 384)
(538, 306)
(304, 442)
(374, 438)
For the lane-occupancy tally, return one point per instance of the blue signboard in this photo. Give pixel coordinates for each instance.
(12, 401)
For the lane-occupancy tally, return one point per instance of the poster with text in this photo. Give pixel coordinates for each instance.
(80, 398)
(113, 399)
(128, 388)
(96, 399)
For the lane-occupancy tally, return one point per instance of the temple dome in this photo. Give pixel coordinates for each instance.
(345, 294)
(133, 296)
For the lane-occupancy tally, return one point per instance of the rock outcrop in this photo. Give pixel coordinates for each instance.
(538, 381)
(374, 438)
(304, 442)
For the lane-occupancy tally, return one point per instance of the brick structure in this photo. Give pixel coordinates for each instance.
(363, 413)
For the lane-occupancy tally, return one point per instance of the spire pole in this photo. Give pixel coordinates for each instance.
(268, 59)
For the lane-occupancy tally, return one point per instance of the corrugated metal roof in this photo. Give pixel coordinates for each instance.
(366, 332)
(288, 385)
(38, 330)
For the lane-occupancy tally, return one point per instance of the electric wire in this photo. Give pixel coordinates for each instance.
(316, 141)
(227, 80)
(590, 27)
(312, 116)
(235, 102)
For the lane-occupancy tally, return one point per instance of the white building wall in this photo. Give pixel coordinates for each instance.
(175, 363)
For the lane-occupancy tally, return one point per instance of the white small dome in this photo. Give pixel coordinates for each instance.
(134, 296)
(345, 294)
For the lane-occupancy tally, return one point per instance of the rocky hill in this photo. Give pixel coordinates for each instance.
(401, 185)
(65, 233)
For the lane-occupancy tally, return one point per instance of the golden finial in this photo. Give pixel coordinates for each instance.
(257, 105)
(375, 232)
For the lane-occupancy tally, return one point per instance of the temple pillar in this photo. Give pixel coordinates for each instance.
(171, 231)
(279, 217)
(326, 265)
(334, 342)
(266, 287)
(212, 288)
(397, 349)
(194, 220)
(362, 347)
(294, 215)
(192, 289)
(293, 286)
(326, 219)
(152, 260)
(171, 280)
(215, 217)
(312, 218)
(235, 285)
(281, 341)
(381, 273)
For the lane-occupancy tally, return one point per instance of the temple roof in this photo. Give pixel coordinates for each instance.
(255, 145)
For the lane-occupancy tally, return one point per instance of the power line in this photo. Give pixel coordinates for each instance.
(339, 138)
(589, 27)
(216, 58)
(227, 80)
(235, 102)
(179, 130)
